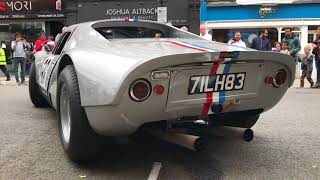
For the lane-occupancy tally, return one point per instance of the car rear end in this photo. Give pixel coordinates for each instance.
(194, 86)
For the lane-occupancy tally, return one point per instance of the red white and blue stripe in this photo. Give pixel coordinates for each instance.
(221, 66)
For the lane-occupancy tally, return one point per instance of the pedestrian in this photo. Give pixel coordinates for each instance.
(316, 52)
(293, 43)
(19, 46)
(285, 48)
(29, 59)
(3, 63)
(277, 47)
(261, 42)
(236, 40)
(51, 41)
(40, 43)
(7, 51)
(306, 60)
(204, 33)
(184, 28)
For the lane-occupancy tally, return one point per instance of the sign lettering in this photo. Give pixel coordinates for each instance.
(11, 9)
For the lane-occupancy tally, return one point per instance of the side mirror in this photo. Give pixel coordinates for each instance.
(48, 48)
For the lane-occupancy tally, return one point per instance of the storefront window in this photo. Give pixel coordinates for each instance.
(311, 38)
(312, 33)
(30, 31)
(4, 32)
(296, 31)
(224, 35)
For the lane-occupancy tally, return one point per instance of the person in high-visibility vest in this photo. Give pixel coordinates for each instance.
(3, 63)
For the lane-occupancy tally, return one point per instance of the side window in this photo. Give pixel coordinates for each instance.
(62, 41)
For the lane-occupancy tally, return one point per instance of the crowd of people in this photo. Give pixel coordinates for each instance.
(22, 51)
(21, 55)
(289, 45)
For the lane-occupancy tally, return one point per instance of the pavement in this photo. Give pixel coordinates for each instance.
(286, 146)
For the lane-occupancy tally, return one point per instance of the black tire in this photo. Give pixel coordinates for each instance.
(34, 90)
(235, 121)
(84, 143)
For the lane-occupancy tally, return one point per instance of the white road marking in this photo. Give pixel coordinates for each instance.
(155, 171)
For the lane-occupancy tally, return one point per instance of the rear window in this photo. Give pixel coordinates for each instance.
(130, 32)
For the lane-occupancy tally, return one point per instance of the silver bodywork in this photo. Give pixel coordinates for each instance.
(106, 69)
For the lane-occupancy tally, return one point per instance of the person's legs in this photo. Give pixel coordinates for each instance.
(318, 72)
(303, 76)
(309, 78)
(16, 69)
(5, 71)
(23, 69)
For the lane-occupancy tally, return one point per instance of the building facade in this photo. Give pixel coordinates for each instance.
(30, 18)
(178, 12)
(224, 19)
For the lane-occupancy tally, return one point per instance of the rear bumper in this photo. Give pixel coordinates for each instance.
(124, 116)
(128, 116)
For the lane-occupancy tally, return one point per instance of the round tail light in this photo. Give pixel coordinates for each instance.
(279, 78)
(140, 90)
(159, 89)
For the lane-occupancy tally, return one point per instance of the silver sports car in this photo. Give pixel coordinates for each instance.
(112, 77)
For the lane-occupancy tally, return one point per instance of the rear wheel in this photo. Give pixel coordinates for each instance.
(34, 90)
(79, 141)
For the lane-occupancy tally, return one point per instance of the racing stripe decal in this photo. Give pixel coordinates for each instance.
(218, 67)
(192, 46)
(209, 97)
(224, 68)
(222, 97)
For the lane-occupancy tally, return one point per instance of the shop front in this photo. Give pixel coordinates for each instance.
(178, 12)
(224, 21)
(30, 18)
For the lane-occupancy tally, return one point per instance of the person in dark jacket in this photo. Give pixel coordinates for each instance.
(293, 42)
(261, 42)
(316, 52)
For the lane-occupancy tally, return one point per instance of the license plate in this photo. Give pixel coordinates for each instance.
(220, 82)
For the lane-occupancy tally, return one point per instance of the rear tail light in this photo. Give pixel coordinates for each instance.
(269, 80)
(159, 89)
(140, 90)
(276, 80)
(279, 78)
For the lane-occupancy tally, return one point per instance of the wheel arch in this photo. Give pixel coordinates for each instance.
(65, 61)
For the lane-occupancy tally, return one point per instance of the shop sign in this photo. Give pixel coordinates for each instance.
(265, 11)
(30, 16)
(29, 6)
(147, 10)
(162, 14)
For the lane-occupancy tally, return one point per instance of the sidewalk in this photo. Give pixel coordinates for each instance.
(296, 84)
(12, 82)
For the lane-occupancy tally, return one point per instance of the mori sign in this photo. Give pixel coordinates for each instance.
(29, 6)
(16, 6)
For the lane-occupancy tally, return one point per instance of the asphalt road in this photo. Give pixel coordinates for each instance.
(286, 146)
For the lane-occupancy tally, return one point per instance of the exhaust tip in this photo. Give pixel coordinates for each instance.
(200, 144)
(248, 135)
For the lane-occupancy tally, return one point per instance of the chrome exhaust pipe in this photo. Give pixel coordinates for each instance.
(230, 132)
(194, 143)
